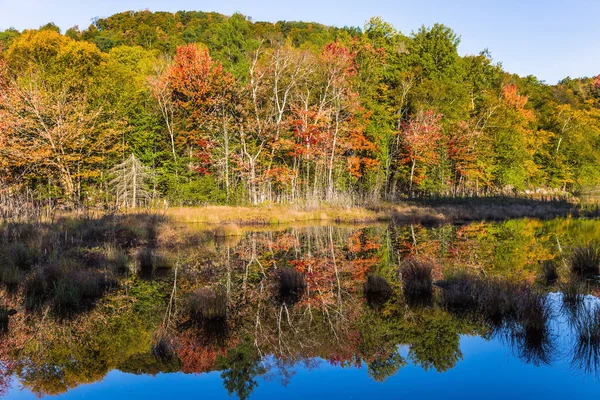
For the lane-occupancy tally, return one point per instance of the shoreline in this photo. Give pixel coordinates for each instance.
(385, 212)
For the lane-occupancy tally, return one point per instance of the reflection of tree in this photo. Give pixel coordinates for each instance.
(11, 341)
(435, 341)
(331, 321)
(242, 365)
(199, 351)
(6, 377)
(63, 355)
(380, 335)
(382, 368)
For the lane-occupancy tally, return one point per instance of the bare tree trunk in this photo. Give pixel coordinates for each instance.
(226, 148)
(134, 201)
(412, 174)
(330, 177)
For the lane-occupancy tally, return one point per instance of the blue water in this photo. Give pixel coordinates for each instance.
(488, 370)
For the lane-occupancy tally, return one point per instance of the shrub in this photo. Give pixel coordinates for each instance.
(291, 286)
(416, 280)
(11, 275)
(162, 349)
(127, 237)
(498, 300)
(91, 285)
(460, 293)
(117, 258)
(198, 191)
(66, 297)
(35, 291)
(207, 304)
(585, 261)
(549, 272)
(20, 256)
(5, 314)
(377, 290)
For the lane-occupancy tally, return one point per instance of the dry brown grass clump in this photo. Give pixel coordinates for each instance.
(168, 236)
(291, 286)
(207, 304)
(227, 230)
(417, 280)
(272, 215)
(549, 272)
(377, 290)
(5, 314)
(585, 261)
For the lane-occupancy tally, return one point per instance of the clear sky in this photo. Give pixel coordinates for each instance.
(550, 39)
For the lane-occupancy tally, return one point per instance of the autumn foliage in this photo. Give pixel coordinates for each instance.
(227, 111)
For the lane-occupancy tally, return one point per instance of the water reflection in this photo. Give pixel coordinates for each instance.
(139, 295)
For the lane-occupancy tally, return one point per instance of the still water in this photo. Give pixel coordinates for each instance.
(135, 307)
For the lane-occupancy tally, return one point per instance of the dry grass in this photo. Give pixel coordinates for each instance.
(417, 280)
(585, 261)
(377, 290)
(227, 230)
(271, 215)
(444, 213)
(418, 211)
(207, 304)
(399, 212)
(549, 272)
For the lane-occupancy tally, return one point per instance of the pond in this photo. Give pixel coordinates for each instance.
(136, 306)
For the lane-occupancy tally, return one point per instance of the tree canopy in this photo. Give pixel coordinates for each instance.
(226, 110)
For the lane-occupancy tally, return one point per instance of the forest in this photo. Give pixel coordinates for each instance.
(194, 108)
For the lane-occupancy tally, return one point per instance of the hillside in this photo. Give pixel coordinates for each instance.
(222, 110)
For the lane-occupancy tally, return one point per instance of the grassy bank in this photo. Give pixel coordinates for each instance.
(274, 215)
(409, 212)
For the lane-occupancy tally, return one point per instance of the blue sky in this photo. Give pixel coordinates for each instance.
(550, 39)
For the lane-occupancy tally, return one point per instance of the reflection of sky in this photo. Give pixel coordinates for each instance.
(488, 370)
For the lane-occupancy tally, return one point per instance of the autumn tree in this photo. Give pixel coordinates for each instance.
(56, 126)
(273, 77)
(284, 112)
(515, 142)
(421, 136)
(199, 93)
(467, 148)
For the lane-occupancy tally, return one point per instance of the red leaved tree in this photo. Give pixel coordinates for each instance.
(202, 96)
(421, 136)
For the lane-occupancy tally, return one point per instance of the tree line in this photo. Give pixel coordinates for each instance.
(218, 109)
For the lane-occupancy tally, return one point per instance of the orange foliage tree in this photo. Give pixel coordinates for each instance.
(202, 92)
(421, 136)
(57, 126)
